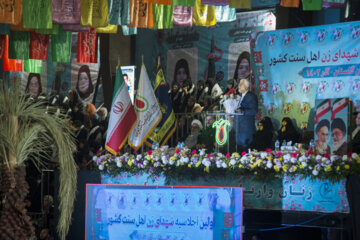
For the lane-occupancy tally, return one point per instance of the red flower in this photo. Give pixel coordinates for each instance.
(326, 155)
(177, 150)
(134, 151)
(243, 153)
(150, 152)
(294, 154)
(227, 155)
(209, 155)
(350, 154)
(310, 151)
(279, 154)
(268, 150)
(193, 152)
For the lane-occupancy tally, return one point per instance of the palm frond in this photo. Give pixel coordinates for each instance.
(28, 133)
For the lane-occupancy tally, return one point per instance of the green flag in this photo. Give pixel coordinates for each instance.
(185, 3)
(61, 46)
(19, 44)
(163, 16)
(311, 5)
(33, 66)
(37, 14)
(53, 30)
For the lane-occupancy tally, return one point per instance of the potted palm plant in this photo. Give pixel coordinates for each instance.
(27, 133)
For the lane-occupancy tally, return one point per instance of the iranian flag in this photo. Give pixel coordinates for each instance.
(147, 111)
(122, 116)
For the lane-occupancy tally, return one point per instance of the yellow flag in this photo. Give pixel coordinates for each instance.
(240, 4)
(203, 15)
(108, 29)
(11, 12)
(141, 14)
(94, 13)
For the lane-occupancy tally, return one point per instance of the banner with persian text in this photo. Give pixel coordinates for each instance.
(294, 67)
(163, 212)
(204, 52)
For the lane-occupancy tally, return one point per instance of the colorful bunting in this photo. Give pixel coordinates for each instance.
(203, 15)
(182, 16)
(11, 11)
(119, 12)
(33, 66)
(87, 47)
(61, 46)
(290, 3)
(141, 14)
(19, 45)
(66, 12)
(94, 13)
(163, 16)
(39, 46)
(108, 29)
(225, 14)
(11, 64)
(37, 14)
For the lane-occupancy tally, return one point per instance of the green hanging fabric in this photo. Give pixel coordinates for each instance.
(19, 45)
(163, 16)
(33, 66)
(53, 30)
(37, 14)
(185, 3)
(310, 5)
(61, 46)
(128, 31)
(119, 12)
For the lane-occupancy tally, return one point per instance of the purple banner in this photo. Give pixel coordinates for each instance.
(75, 28)
(182, 16)
(66, 11)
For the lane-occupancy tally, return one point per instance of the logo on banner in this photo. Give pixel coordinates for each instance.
(118, 107)
(290, 87)
(355, 85)
(257, 56)
(322, 87)
(275, 88)
(260, 70)
(271, 109)
(304, 125)
(355, 31)
(336, 33)
(304, 107)
(303, 36)
(271, 39)
(141, 104)
(287, 38)
(338, 85)
(263, 85)
(287, 108)
(306, 87)
(221, 131)
(320, 34)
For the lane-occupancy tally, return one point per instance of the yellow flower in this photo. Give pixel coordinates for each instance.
(328, 168)
(154, 164)
(346, 166)
(235, 154)
(148, 157)
(104, 162)
(252, 158)
(280, 159)
(240, 165)
(129, 162)
(285, 167)
(338, 168)
(301, 166)
(207, 169)
(229, 164)
(358, 159)
(253, 166)
(294, 168)
(268, 157)
(198, 164)
(276, 168)
(173, 158)
(189, 165)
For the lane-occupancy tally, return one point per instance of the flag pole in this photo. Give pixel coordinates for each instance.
(159, 63)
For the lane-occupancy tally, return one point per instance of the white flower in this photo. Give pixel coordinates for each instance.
(207, 163)
(287, 157)
(186, 159)
(218, 165)
(146, 162)
(138, 157)
(220, 154)
(157, 158)
(263, 155)
(165, 161)
(293, 160)
(101, 167)
(269, 164)
(224, 165)
(318, 157)
(119, 164)
(304, 164)
(117, 159)
(354, 155)
(94, 158)
(344, 158)
(302, 158)
(232, 162)
(163, 158)
(315, 172)
(202, 152)
(333, 158)
(171, 162)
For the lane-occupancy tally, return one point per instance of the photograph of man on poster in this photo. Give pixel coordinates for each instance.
(338, 133)
(322, 134)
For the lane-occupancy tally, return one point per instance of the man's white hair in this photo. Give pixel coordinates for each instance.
(245, 82)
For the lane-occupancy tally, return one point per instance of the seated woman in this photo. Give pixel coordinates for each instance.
(288, 132)
(262, 139)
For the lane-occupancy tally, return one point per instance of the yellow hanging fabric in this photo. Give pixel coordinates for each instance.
(107, 29)
(100, 14)
(203, 15)
(86, 12)
(240, 4)
(141, 14)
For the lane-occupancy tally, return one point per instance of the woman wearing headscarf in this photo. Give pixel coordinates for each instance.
(262, 139)
(288, 131)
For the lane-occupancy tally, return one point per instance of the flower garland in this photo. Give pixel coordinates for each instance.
(178, 163)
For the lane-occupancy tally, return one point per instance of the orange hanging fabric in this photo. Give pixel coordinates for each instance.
(11, 64)
(11, 12)
(290, 3)
(141, 14)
